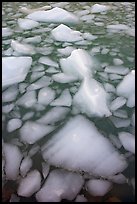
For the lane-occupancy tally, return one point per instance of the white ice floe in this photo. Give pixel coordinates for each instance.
(6, 32)
(98, 187)
(88, 98)
(117, 70)
(54, 115)
(28, 10)
(22, 48)
(10, 94)
(117, 27)
(128, 141)
(65, 34)
(13, 124)
(36, 75)
(120, 113)
(98, 8)
(126, 88)
(81, 198)
(13, 159)
(34, 40)
(59, 185)
(33, 131)
(27, 24)
(64, 99)
(91, 151)
(30, 184)
(64, 78)
(25, 166)
(55, 15)
(48, 61)
(115, 77)
(42, 82)
(109, 88)
(117, 61)
(117, 103)
(119, 178)
(79, 64)
(27, 100)
(52, 70)
(46, 95)
(15, 69)
(7, 108)
(66, 51)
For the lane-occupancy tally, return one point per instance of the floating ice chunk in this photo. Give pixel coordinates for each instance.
(10, 94)
(15, 69)
(118, 27)
(103, 75)
(33, 131)
(115, 76)
(48, 61)
(120, 122)
(117, 61)
(36, 75)
(55, 15)
(27, 100)
(78, 64)
(66, 51)
(117, 70)
(88, 98)
(45, 169)
(52, 70)
(13, 158)
(46, 95)
(104, 51)
(120, 113)
(6, 32)
(131, 101)
(14, 124)
(95, 49)
(64, 99)
(29, 184)
(27, 24)
(91, 152)
(130, 32)
(42, 82)
(120, 179)
(28, 115)
(98, 8)
(59, 185)
(25, 166)
(28, 10)
(63, 78)
(115, 141)
(98, 187)
(117, 103)
(128, 141)
(35, 39)
(22, 49)
(99, 23)
(81, 198)
(7, 108)
(65, 34)
(126, 87)
(54, 115)
(8, 52)
(109, 88)
(89, 36)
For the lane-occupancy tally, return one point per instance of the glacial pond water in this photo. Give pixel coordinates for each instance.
(68, 101)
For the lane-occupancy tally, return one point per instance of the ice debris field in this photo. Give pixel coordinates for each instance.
(68, 99)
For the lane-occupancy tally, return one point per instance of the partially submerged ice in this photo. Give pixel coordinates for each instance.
(15, 69)
(79, 64)
(88, 98)
(59, 185)
(65, 34)
(90, 150)
(55, 15)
